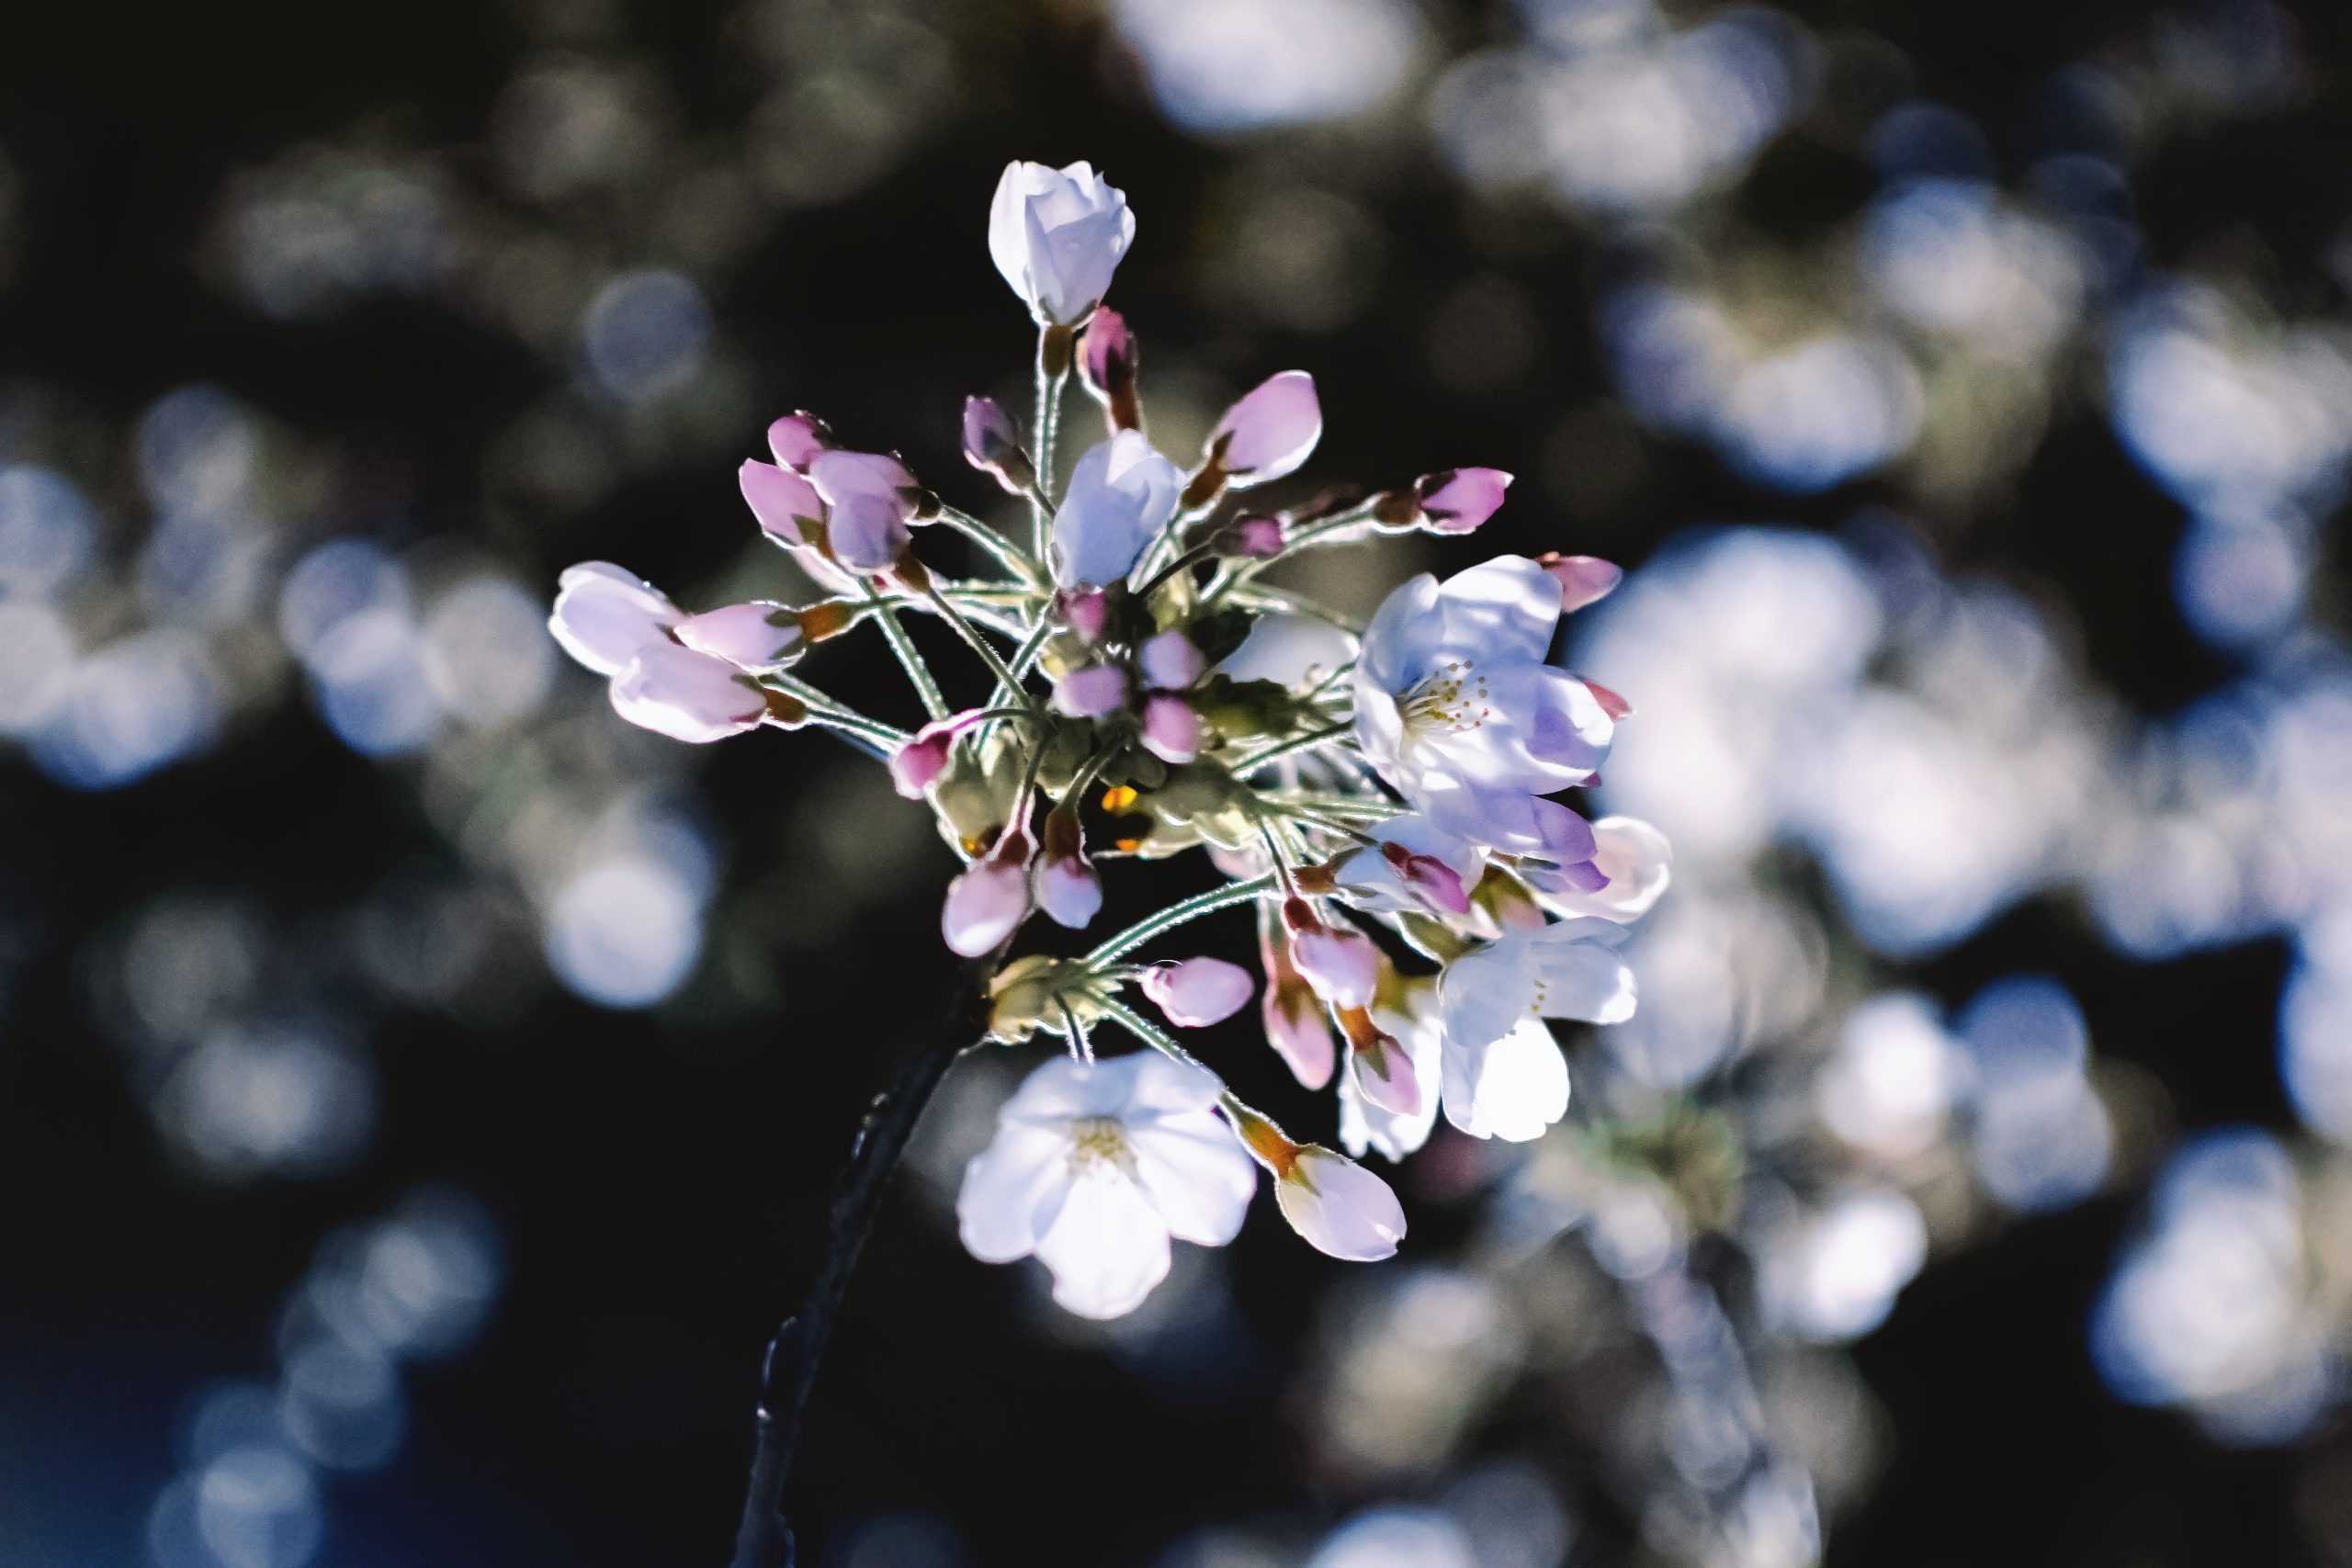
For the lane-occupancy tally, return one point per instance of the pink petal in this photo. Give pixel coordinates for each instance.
(1270, 431)
(1169, 662)
(1458, 500)
(1171, 730)
(758, 636)
(1197, 992)
(1093, 692)
(686, 695)
(1583, 579)
(782, 501)
(797, 438)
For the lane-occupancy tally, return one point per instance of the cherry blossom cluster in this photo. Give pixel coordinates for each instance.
(1386, 796)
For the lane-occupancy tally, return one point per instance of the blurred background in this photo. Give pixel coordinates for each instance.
(418, 1090)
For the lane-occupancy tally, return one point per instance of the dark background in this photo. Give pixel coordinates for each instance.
(657, 1177)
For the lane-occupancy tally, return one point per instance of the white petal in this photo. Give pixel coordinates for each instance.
(1500, 612)
(604, 617)
(1019, 1178)
(1340, 1208)
(1107, 1249)
(1639, 863)
(1403, 637)
(1510, 1088)
(1196, 1174)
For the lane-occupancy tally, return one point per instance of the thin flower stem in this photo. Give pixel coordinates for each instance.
(1007, 681)
(909, 658)
(1283, 599)
(1048, 415)
(1177, 914)
(1080, 1045)
(789, 1374)
(1151, 1034)
(826, 709)
(1312, 738)
(1008, 555)
(1190, 558)
(1026, 655)
(1319, 532)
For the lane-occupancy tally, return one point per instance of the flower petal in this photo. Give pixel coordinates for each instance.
(1107, 1248)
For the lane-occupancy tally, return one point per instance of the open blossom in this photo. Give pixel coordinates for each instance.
(1568, 969)
(1121, 495)
(1269, 432)
(1457, 707)
(1095, 1166)
(1058, 235)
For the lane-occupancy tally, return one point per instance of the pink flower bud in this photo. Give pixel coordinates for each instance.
(1106, 365)
(1171, 730)
(1458, 500)
(797, 438)
(1438, 884)
(1339, 961)
(918, 764)
(993, 447)
(1251, 538)
(789, 508)
(1270, 432)
(761, 635)
(604, 617)
(1382, 1073)
(1293, 1017)
(686, 695)
(870, 498)
(986, 902)
(1169, 662)
(1339, 1207)
(1584, 579)
(1068, 889)
(1092, 692)
(1085, 611)
(1197, 992)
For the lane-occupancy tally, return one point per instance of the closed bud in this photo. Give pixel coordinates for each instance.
(760, 635)
(1269, 432)
(1106, 364)
(1093, 692)
(1339, 961)
(1169, 663)
(985, 902)
(1251, 538)
(1171, 730)
(1068, 889)
(797, 438)
(993, 447)
(1197, 992)
(1457, 500)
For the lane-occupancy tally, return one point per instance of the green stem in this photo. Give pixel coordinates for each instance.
(1178, 914)
(1048, 415)
(1008, 555)
(1312, 738)
(1151, 1034)
(909, 658)
(1007, 681)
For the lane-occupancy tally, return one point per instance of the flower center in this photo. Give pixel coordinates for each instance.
(1450, 700)
(1094, 1139)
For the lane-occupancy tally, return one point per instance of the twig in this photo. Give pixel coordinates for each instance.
(763, 1539)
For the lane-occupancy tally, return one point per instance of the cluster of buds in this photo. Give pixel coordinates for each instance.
(1387, 796)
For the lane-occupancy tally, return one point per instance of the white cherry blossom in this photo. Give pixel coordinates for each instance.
(1569, 969)
(1095, 1166)
(1457, 707)
(1058, 236)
